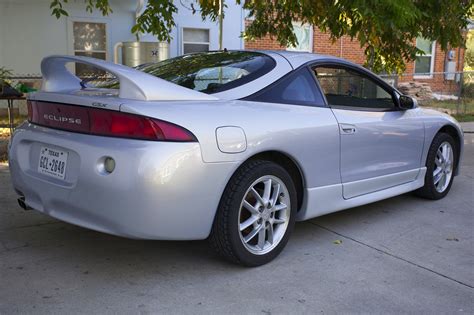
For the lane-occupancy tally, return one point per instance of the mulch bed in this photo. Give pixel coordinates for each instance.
(3, 149)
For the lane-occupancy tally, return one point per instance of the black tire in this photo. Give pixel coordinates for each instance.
(225, 236)
(429, 190)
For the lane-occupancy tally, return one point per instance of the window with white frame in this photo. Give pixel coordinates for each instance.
(303, 35)
(90, 40)
(195, 40)
(424, 63)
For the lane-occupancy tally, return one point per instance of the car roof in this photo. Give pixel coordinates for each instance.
(299, 58)
(286, 61)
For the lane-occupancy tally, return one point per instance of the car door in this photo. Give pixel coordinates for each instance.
(381, 144)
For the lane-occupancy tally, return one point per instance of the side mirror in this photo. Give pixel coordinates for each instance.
(407, 102)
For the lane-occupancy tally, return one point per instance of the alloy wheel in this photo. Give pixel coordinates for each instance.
(443, 170)
(264, 214)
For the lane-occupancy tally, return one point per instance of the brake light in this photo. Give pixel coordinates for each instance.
(102, 122)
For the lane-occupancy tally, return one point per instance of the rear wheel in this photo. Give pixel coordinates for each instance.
(440, 165)
(256, 214)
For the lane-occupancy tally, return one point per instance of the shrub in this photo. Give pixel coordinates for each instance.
(468, 90)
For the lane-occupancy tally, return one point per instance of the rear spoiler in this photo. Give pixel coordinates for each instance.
(134, 84)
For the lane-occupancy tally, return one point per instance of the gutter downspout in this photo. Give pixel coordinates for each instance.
(117, 46)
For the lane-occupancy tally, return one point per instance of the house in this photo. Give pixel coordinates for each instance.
(28, 33)
(435, 68)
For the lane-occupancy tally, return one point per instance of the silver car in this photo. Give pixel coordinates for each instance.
(234, 146)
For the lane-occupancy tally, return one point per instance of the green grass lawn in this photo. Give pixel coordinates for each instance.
(463, 111)
(464, 117)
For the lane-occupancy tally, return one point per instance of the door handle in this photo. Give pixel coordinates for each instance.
(347, 129)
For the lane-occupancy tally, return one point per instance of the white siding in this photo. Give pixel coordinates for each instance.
(28, 32)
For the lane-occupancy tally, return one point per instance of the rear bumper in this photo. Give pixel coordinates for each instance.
(158, 190)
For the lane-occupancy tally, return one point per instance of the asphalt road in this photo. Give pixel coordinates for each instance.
(400, 255)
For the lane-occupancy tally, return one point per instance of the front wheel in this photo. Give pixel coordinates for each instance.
(440, 165)
(256, 214)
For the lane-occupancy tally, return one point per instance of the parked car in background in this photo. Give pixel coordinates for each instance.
(234, 146)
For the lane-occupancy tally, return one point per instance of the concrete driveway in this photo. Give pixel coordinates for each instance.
(400, 255)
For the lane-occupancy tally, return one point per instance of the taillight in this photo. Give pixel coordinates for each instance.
(102, 122)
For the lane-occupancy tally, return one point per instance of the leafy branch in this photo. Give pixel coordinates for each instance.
(386, 29)
(103, 6)
(5, 74)
(157, 19)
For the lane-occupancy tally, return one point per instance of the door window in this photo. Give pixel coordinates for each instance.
(348, 88)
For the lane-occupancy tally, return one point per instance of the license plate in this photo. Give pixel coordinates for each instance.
(52, 162)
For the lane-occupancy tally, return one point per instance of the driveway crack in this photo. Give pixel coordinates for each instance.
(392, 255)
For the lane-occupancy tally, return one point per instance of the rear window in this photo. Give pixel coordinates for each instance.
(212, 72)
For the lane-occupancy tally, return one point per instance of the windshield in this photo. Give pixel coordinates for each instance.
(209, 72)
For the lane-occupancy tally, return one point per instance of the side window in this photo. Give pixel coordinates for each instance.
(298, 88)
(344, 87)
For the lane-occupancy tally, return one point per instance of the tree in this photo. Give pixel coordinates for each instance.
(469, 56)
(386, 29)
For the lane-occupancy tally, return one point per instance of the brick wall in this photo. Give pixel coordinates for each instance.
(344, 47)
(265, 43)
(351, 50)
(437, 82)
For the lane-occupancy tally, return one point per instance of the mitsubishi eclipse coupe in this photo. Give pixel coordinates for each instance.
(234, 146)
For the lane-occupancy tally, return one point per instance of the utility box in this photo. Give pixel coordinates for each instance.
(137, 53)
(450, 71)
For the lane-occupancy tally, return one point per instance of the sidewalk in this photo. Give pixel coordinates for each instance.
(468, 127)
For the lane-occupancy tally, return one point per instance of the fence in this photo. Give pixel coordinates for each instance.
(450, 92)
(30, 80)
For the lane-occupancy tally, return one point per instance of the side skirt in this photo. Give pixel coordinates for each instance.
(367, 186)
(323, 200)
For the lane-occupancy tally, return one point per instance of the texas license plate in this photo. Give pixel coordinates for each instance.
(52, 162)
